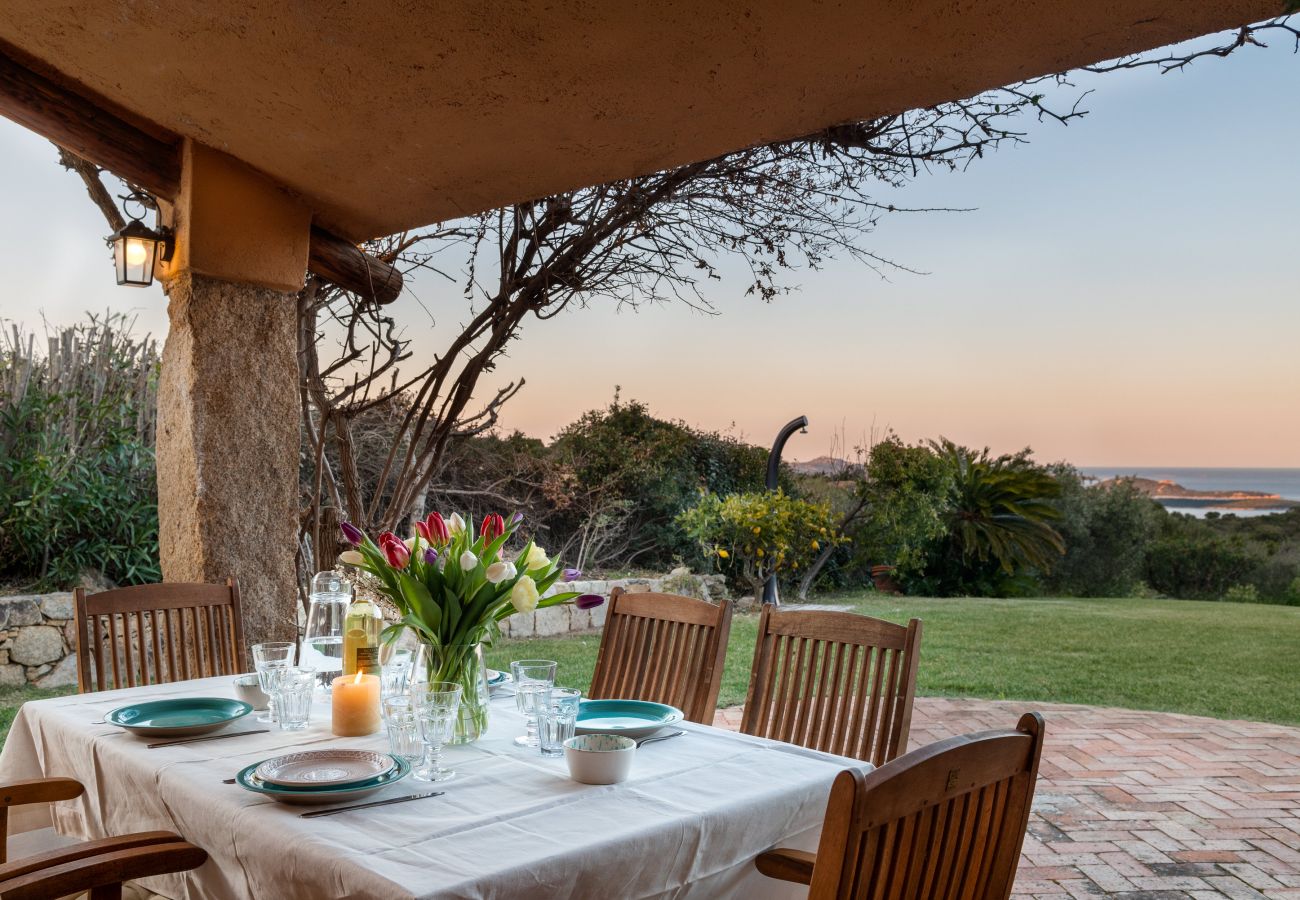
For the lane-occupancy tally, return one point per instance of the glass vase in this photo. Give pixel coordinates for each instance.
(462, 664)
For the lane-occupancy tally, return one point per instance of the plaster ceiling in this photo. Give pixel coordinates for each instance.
(386, 115)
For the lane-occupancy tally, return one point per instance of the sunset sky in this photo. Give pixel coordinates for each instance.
(1125, 292)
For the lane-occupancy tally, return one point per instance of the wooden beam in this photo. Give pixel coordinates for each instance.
(335, 259)
(84, 126)
(87, 129)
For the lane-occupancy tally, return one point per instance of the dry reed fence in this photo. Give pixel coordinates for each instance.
(79, 367)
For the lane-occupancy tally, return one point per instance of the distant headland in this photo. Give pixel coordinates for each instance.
(1174, 495)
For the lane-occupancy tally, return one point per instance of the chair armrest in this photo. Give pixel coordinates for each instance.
(39, 790)
(62, 855)
(109, 868)
(787, 865)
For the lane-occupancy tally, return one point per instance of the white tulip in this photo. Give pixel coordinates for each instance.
(524, 596)
(351, 558)
(501, 571)
(455, 524)
(537, 558)
(468, 561)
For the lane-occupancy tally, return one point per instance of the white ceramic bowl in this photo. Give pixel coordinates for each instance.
(599, 758)
(249, 689)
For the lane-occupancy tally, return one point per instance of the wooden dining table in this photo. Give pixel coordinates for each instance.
(689, 822)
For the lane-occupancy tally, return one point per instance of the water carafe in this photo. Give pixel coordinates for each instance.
(322, 643)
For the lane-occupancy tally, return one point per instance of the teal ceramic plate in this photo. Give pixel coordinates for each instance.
(315, 796)
(495, 678)
(630, 718)
(181, 717)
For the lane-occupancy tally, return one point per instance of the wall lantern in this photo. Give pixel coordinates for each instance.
(136, 249)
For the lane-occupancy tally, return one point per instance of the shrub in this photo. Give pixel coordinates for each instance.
(1107, 529)
(1191, 561)
(1241, 593)
(657, 468)
(755, 535)
(77, 482)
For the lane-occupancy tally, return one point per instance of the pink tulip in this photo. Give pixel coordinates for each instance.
(435, 530)
(395, 550)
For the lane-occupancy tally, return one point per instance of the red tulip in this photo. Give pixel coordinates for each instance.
(395, 550)
(434, 530)
(492, 528)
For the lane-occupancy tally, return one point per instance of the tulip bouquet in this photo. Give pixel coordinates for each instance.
(452, 588)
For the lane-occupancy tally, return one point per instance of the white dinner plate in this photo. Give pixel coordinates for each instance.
(324, 768)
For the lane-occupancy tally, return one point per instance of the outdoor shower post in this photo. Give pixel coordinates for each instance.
(773, 471)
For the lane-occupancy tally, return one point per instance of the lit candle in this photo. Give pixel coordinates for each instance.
(355, 702)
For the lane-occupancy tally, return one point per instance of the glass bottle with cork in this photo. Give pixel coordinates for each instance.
(361, 631)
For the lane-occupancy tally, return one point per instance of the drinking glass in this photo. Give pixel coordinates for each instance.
(322, 642)
(437, 704)
(395, 670)
(533, 678)
(557, 716)
(293, 687)
(267, 658)
(403, 729)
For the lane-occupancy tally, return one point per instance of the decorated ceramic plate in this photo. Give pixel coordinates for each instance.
(319, 795)
(325, 768)
(181, 717)
(630, 718)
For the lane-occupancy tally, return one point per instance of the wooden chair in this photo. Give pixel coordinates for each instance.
(96, 866)
(833, 681)
(946, 820)
(663, 648)
(156, 633)
(99, 867)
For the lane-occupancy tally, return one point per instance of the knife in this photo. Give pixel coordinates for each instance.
(207, 737)
(342, 809)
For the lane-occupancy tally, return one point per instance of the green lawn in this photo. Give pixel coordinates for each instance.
(13, 697)
(1227, 660)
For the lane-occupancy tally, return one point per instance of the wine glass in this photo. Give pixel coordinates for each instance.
(437, 704)
(268, 657)
(533, 678)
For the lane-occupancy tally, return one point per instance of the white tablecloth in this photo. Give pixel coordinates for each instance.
(689, 823)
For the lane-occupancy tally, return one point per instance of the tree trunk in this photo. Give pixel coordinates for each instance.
(228, 446)
(814, 570)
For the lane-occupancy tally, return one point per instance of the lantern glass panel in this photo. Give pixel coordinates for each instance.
(134, 257)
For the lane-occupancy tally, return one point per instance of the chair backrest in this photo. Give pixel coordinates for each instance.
(833, 681)
(663, 648)
(946, 820)
(155, 633)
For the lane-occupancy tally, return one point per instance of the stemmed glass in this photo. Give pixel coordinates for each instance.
(533, 678)
(267, 658)
(437, 704)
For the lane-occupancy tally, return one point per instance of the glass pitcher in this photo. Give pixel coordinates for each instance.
(322, 642)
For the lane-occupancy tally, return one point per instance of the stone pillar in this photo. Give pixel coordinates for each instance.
(228, 400)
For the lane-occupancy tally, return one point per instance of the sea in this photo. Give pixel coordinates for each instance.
(1283, 482)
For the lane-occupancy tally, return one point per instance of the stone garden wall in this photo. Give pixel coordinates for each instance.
(37, 640)
(38, 636)
(568, 618)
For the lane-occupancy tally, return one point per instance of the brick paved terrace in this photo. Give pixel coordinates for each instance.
(1143, 805)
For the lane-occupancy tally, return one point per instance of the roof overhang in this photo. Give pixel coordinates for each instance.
(387, 115)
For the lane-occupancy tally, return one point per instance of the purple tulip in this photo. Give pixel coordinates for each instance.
(571, 575)
(352, 533)
(430, 556)
(589, 601)
(516, 518)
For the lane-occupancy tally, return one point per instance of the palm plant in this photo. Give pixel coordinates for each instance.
(1000, 509)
